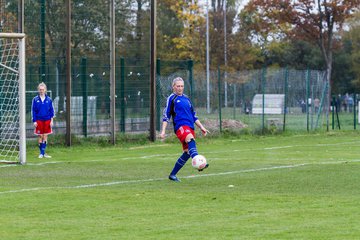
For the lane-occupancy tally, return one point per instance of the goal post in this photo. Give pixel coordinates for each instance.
(12, 98)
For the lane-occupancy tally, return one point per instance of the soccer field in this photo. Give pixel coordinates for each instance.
(273, 187)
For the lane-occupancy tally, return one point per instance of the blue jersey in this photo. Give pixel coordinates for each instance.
(181, 111)
(42, 110)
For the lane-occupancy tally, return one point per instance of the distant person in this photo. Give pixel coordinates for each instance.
(338, 103)
(316, 105)
(350, 103)
(42, 117)
(303, 106)
(247, 107)
(345, 102)
(181, 110)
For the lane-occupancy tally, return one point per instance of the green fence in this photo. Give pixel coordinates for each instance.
(259, 100)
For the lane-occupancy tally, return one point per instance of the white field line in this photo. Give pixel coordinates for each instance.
(163, 179)
(149, 146)
(272, 148)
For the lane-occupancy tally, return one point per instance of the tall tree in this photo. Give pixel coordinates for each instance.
(314, 21)
(188, 21)
(354, 38)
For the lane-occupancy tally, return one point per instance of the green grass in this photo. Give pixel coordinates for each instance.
(295, 121)
(285, 187)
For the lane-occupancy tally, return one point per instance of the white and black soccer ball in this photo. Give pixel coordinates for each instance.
(199, 162)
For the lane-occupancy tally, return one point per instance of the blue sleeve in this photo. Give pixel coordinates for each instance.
(51, 110)
(167, 113)
(33, 114)
(193, 113)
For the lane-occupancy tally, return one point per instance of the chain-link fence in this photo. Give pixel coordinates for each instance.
(258, 101)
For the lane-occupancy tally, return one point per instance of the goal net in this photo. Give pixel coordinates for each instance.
(12, 98)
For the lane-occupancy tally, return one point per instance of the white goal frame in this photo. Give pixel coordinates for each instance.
(22, 93)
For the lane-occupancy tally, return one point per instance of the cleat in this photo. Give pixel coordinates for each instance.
(47, 156)
(206, 166)
(174, 178)
(41, 156)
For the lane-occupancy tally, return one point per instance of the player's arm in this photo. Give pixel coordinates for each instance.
(51, 113)
(33, 113)
(202, 128)
(198, 123)
(163, 129)
(166, 118)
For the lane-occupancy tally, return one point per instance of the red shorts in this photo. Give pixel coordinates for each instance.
(43, 127)
(182, 133)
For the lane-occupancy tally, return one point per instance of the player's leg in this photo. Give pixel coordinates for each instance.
(181, 135)
(190, 140)
(47, 131)
(40, 144)
(178, 165)
(39, 131)
(45, 138)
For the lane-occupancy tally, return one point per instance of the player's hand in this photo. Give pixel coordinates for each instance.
(205, 131)
(51, 123)
(35, 124)
(162, 135)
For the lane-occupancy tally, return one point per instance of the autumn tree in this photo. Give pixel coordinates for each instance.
(180, 25)
(314, 21)
(354, 38)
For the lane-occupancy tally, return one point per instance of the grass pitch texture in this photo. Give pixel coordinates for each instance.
(275, 187)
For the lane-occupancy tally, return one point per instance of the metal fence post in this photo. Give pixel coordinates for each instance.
(122, 94)
(307, 79)
(263, 83)
(42, 41)
(354, 109)
(285, 97)
(158, 111)
(234, 101)
(84, 83)
(333, 113)
(219, 86)
(190, 69)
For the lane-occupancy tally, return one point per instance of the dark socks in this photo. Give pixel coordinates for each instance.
(180, 163)
(42, 147)
(192, 148)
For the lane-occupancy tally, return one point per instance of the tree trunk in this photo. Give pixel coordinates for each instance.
(329, 62)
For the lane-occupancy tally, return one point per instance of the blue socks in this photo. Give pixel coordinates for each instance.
(42, 147)
(180, 163)
(184, 157)
(192, 148)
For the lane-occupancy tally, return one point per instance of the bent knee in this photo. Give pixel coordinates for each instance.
(189, 138)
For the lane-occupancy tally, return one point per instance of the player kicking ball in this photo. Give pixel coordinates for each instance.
(180, 109)
(42, 117)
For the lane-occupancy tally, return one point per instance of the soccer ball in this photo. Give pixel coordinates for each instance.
(199, 162)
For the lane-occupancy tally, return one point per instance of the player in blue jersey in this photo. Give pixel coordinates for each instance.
(42, 116)
(180, 109)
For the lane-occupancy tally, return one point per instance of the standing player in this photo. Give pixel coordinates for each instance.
(180, 109)
(42, 117)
